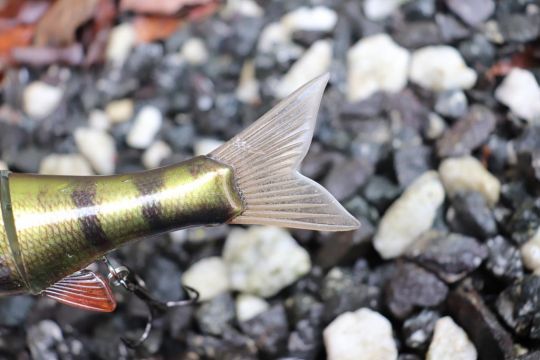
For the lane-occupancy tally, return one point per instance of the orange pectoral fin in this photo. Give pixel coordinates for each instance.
(85, 290)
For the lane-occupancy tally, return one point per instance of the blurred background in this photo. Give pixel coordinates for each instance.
(429, 133)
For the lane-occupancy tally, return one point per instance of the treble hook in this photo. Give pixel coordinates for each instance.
(123, 276)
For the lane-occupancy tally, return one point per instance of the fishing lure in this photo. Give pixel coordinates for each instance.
(53, 226)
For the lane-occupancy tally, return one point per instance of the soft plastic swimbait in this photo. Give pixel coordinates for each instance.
(53, 226)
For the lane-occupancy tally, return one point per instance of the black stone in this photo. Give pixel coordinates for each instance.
(163, 279)
(473, 12)
(412, 287)
(410, 162)
(14, 310)
(451, 256)
(269, 330)
(345, 178)
(473, 215)
(468, 133)
(490, 338)
(452, 104)
(519, 306)
(418, 329)
(450, 28)
(419, 9)
(525, 221)
(417, 34)
(477, 51)
(504, 259)
(217, 315)
(519, 27)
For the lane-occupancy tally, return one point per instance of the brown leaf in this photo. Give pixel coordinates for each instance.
(96, 37)
(58, 26)
(17, 36)
(159, 7)
(151, 28)
(40, 56)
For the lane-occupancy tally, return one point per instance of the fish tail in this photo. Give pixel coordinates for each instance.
(265, 159)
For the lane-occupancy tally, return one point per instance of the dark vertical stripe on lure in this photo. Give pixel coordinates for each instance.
(152, 210)
(84, 198)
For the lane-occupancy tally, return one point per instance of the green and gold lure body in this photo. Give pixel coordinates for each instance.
(53, 226)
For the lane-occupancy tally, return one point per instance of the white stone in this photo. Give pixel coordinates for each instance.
(363, 334)
(155, 154)
(441, 68)
(248, 86)
(206, 145)
(273, 35)
(376, 63)
(247, 8)
(530, 252)
(98, 147)
(194, 51)
(521, 93)
(319, 18)
(249, 306)
(41, 99)
(450, 342)
(121, 41)
(315, 61)
(409, 216)
(3, 165)
(145, 127)
(380, 9)
(119, 111)
(264, 260)
(436, 126)
(98, 119)
(208, 276)
(65, 164)
(468, 174)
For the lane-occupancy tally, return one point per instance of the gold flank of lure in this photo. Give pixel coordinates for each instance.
(53, 226)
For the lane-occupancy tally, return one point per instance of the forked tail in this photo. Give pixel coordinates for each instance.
(265, 158)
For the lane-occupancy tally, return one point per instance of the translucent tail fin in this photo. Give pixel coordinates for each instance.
(266, 157)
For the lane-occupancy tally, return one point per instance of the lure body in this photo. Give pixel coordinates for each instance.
(54, 226)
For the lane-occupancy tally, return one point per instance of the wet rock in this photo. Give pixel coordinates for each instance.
(419, 9)
(489, 337)
(208, 276)
(155, 154)
(450, 28)
(147, 124)
(163, 279)
(452, 104)
(473, 215)
(41, 99)
(409, 216)
(313, 63)
(440, 68)
(450, 342)
(98, 147)
(477, 50)
(380, 192)
(413, 286)
(263, 260)
(214, 317)
(417, 34)
(121, 41)
(467, 174)
(504, 259)
(65, 164)
(418, 329)
(468, 133)
(249, 306)
(410, 162)
(14, 310)
(521, 93)
(519, 306)
(519, 27)
(119, 111)
(451, 256)
(194, 51)
(376, 63)
(43, 340)
(525, 221)
(269, 330)
(364, 334)
(305, 341)
(472, 12)
(346, 177)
